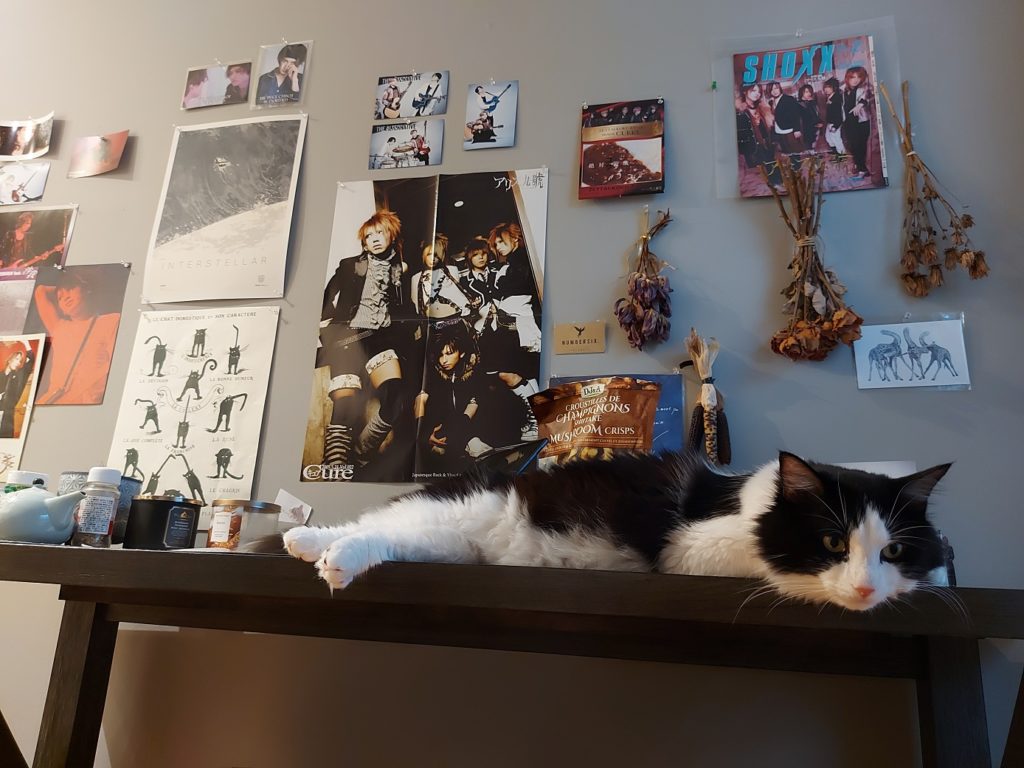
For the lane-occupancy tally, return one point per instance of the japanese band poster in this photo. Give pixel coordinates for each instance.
(20, 357)
(224, 220)
(819, 99)
(411, 95)
(192, 408)
(429, 338)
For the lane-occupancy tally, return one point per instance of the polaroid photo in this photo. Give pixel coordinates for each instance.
(491, 115)
(923, 354)
(406, 145)
(282, 68)
(217, 84)
(417, 94)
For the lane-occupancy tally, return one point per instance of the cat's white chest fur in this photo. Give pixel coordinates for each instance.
(723, 546)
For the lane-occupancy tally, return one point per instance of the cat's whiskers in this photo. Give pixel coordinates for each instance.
(838, 519)
(950, 599)
(755, 592)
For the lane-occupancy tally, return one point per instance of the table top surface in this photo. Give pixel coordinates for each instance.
(963, 612)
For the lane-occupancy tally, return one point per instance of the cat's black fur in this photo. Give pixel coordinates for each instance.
(638, 500)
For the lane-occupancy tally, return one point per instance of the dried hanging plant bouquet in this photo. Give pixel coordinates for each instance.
(709, 429)
(928, 216)
(645, 310)
(819, 318)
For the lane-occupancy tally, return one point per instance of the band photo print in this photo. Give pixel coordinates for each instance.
(222, 228)
(217, 84)
(417, 94)
(429, 340)
(22, 182)
(25, 139)
(20, 357)
(491, 115)
(408, 144)
(283, 69)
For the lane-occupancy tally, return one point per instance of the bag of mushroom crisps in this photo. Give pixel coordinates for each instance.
(593, 419)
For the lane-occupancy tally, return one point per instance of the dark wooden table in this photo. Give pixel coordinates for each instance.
(681, 619)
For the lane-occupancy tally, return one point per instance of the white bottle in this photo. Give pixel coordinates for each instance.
(94, 518)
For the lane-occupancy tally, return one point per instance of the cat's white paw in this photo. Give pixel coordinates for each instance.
(349, 558)
(307, 543)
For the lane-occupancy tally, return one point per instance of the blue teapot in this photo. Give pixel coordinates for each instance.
(37, 516)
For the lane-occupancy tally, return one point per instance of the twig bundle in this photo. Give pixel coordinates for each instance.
(819, 318)
(645, 310)
(929, 216)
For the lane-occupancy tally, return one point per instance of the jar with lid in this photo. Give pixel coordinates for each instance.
(94, 518)
(19, 480)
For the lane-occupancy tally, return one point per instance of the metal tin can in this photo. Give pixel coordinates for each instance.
(162, 522)
(237, 521)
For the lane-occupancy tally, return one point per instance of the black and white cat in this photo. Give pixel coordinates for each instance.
(812, 531)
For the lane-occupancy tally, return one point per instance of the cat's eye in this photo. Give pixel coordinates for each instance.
(834, 543)
(892, 550)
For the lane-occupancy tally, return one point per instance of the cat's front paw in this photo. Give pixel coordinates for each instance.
(348, 558)
(307, 543)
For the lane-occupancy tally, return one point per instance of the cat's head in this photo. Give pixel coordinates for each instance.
(849, 537)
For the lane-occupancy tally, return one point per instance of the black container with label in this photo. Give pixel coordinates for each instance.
(162, 522)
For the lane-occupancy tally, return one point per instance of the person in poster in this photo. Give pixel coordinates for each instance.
(491, 115)
(237, 90)
(428, 95)
(463, 411)
(620, 155)
(816, 100)
(34, 237)
(411, 95)
(363, 341)
(79, 308)
(451, 218)
(283, 84)
(14, 378)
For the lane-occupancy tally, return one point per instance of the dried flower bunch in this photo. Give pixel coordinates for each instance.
(819, 318)
(929, 220)
(709, 429)
(645, 310)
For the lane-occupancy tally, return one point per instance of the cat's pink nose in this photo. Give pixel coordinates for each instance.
(864, 592)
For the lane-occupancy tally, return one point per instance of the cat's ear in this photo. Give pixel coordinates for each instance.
(796, 477)
(919, 486)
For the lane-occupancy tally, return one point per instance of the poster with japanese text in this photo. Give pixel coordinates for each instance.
(622, 149)
(192, 408)
(429, 337)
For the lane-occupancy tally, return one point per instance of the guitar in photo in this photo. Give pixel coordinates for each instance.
(491, 115)
(35, 237)
(411, 95)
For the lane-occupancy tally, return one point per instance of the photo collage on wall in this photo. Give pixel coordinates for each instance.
(436, 370)
(622, 149)
(816, 100)
(410, 98)
(192, 408)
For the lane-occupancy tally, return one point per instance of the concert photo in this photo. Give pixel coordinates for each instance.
(32, 237)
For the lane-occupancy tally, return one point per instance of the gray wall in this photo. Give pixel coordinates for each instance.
(190, 698)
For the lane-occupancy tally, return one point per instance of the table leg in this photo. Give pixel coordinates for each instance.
(1014, 753)
(78, 688)
(951, 705)
(9, 752)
